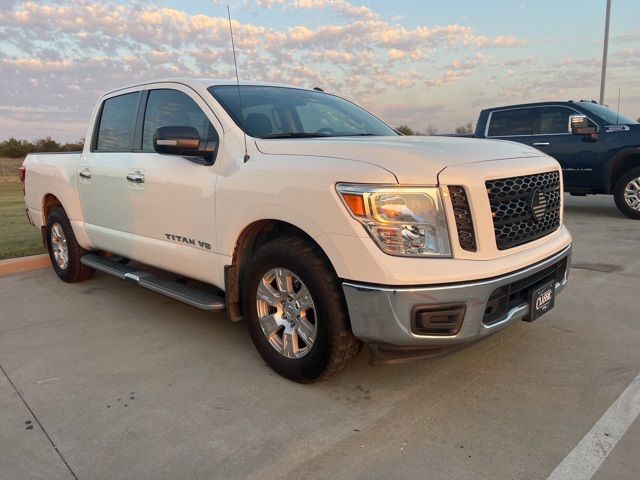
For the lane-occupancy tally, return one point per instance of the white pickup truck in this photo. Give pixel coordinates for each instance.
(305, 215)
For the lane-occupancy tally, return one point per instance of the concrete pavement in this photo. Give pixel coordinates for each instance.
(119, 382)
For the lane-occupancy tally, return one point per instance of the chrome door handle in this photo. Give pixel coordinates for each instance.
(136, 177)
(85, 173)
(540, 143)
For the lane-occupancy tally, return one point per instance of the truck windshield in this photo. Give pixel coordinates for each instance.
(609, 116)
(281, 112)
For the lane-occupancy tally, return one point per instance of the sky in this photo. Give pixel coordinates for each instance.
(428, 64)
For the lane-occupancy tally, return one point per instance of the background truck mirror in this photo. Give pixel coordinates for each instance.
(579, 125)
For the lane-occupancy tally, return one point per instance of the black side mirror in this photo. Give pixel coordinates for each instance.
(183, 141)
(580, 125)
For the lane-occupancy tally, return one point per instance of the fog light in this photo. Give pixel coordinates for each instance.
(437, 320)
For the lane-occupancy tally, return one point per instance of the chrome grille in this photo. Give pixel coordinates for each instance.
(524, 208)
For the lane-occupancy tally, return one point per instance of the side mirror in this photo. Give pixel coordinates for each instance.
(183, 141)
(580, 125)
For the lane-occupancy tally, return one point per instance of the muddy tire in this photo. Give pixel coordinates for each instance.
(296, 311)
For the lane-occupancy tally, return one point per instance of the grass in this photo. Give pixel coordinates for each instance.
(17, 237)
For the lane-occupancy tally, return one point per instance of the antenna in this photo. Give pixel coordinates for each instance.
(235, 63)
(618, 112)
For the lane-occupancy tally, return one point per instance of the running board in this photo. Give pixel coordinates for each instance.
(192, 292)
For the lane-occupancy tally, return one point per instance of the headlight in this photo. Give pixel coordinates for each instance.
(406, 221)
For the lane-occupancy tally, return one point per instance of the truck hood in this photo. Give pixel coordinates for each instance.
(413, 160)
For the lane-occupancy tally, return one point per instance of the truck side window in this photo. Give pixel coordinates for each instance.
(506, 123)
(550, 120)
(173, 108)
(117, 122)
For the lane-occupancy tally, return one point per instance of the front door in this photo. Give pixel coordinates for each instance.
(578, 155)
(172, 197)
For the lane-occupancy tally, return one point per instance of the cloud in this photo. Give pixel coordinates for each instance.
(627, 37)
(69, 52)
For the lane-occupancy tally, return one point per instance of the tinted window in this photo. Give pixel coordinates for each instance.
(117, 122)
(320, 117)
(171, 108)
(511, 122)
(289, 112)
(552, 120)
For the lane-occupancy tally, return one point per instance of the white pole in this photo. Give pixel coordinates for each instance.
(604, 52)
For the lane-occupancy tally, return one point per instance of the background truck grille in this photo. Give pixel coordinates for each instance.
(517, 201)
(462, 214)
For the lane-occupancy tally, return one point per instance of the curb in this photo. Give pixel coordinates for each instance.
(24, 264)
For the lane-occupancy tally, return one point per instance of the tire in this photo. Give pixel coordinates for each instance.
(59, 233)
(332, 347)
(628, 183)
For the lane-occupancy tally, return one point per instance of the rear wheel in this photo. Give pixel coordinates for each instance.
(64, 250)
(627, 193)
(296, 312)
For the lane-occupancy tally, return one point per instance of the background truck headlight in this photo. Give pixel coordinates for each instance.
(404, 221)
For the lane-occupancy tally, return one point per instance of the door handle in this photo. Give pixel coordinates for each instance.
(85, 173)
(535, 144)
(136, 177)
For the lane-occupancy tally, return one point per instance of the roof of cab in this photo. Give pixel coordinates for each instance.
(201, 82)
(539, 104)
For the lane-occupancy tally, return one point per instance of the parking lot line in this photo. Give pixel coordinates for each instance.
(585, 459)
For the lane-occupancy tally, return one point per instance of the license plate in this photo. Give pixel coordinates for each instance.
(541, 300)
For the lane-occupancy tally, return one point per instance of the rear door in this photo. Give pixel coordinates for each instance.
(578, 154)
(102, 171)
(515, 124)
(172, 198)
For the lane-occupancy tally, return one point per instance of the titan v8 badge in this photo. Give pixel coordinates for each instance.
(188, 241)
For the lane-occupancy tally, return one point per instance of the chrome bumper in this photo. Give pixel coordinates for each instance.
(383, 315)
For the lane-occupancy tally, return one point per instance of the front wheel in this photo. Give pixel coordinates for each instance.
(296, 311)
(627, 193)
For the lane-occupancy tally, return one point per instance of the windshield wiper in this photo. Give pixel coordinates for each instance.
(296, 135)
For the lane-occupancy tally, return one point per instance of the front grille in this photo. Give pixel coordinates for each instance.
(515, 202)
(462, 214)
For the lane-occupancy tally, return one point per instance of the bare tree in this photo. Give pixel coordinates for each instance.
(431, 130)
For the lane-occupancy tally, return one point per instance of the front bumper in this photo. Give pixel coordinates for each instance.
(384, 316)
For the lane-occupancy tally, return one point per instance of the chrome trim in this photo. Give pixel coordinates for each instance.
(486, 128)
(136, 177)
(382, 314)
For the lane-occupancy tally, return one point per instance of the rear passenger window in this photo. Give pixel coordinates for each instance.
(171, 108)
(117, 123)
(552, 120)
(511, 122)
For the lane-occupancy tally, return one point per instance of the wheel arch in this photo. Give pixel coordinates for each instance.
(621, 163)
(248, 241)
(50, 201)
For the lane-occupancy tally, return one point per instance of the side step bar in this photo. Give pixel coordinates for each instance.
(194, 293)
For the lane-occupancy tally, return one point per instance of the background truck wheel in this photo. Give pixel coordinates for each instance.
(64, 251)
(627, 193)
(296, 313)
